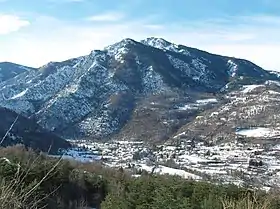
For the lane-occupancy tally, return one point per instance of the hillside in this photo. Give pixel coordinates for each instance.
(26, 131)
(249, 113)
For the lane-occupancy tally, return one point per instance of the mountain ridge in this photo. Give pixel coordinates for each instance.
(9, 70)
(16, 129)
(99, 94)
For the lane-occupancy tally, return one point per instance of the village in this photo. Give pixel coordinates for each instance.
(230, 163)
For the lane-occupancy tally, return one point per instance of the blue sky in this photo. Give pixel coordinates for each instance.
(34, 32)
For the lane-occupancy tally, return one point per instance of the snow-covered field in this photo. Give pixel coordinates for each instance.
(259, 132)
(249, 88)
(206, 101)
(198, 103)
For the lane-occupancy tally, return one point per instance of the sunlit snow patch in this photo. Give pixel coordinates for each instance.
(20, 94)
(163, 170)
(258, 132)
(249, 88)
(188, 107)
(232, 68)
(197, 104)
(206, 101)
(272, 92)
(275, 73)
(192, 159)
(269, 82)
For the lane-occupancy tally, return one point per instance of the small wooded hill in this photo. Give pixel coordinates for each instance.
(29, 180)
(28, 132)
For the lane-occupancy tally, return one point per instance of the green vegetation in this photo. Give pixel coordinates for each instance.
(33, 180)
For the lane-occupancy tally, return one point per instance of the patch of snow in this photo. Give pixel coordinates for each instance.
(119, 49)
(232, 68)
(192, 159)
(187, 107)
(164, 45)
(275, 73)
(181, 134)
(146, 167)
(206, 101)
(6, 160)
(72, 89)
(179, 64)
(162, 170)
(120, 53)
(249, 88)
(258, 132)
(277, 147)
(129, 142)
(199, 65)
(214, 113)
(160, 43)
(266, 189)
(30, 81)
(20, 94)
(273, 92)
(269, 82)
(152, 81)
(200, 102)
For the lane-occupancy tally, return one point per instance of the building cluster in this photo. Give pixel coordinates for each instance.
(238, 163)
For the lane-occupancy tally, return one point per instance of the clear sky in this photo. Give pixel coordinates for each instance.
(34, 32)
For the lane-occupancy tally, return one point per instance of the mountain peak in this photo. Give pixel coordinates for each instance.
(128, 41)
(122, 43)
(118, 49)
(165, 45)
(155, 40)
(159, 43)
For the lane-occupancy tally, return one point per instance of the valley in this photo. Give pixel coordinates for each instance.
(242, 164)
(139, 104)
(153, 107)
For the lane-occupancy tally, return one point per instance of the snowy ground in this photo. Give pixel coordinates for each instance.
(249, 88)
(259, 132)
(198, 103)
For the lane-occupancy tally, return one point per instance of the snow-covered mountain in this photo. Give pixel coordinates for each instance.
(9, 70)
(126, 89)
